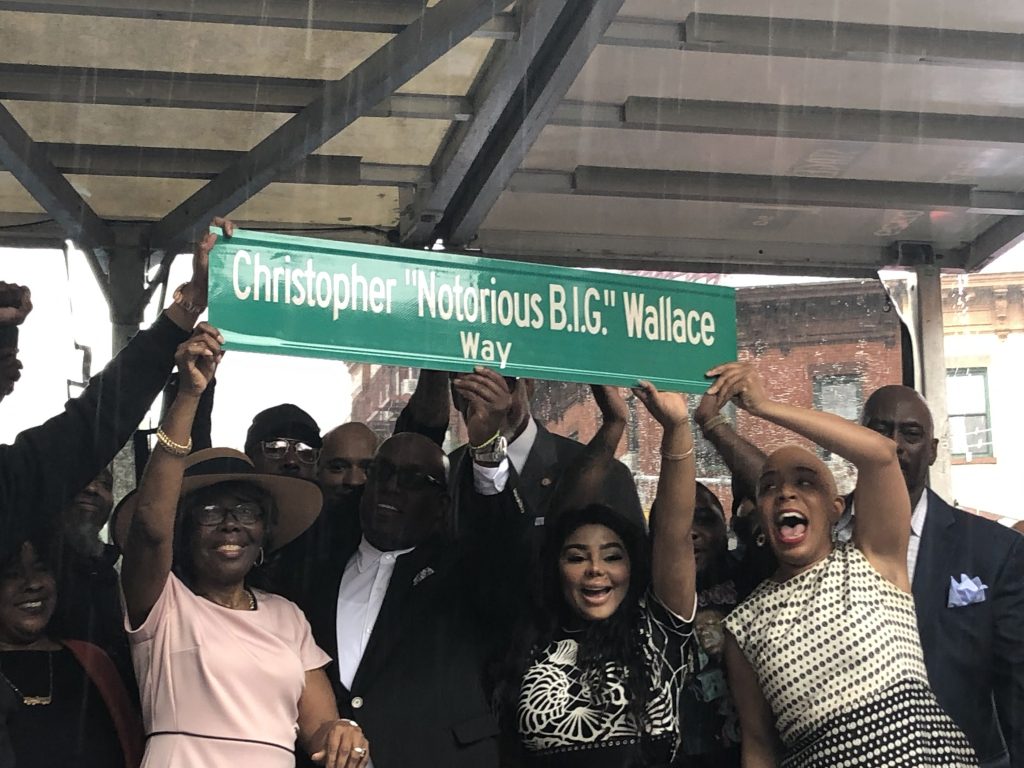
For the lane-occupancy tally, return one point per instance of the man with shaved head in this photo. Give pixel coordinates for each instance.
(404, 612)
(344, 454)
(972, 636)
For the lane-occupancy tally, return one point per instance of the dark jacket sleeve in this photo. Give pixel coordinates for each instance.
(47, 465)
(1008, 651)
(406, 422)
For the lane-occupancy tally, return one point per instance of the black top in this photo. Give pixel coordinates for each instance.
(47, 465)
(74, 730)
(569, 717)
(89, 608)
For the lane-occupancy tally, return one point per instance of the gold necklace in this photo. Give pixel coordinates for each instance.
(34, 701)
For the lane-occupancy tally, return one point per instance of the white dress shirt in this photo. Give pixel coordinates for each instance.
(360, 596)
(491, 481)
(844, 531)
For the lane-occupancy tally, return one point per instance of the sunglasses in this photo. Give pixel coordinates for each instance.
(246, 513)
(278, 447)
(406, 478)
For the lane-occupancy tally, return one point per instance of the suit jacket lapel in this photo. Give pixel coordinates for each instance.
(931, 576)
(397, 613)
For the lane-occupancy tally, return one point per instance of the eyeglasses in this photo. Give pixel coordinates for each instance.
(407, 478)
(277, 448)
(246, 513)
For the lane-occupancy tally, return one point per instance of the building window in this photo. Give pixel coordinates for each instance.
(840, 394)
(970, 423)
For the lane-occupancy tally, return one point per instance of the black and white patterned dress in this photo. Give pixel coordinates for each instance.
(567, 718)
(838, 657)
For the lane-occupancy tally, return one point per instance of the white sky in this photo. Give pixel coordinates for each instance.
(247, 383)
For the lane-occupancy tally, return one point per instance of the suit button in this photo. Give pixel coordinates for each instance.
(357, 702)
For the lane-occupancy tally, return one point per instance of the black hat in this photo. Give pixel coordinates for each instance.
(285, 420)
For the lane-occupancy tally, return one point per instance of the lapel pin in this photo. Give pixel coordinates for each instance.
(428, 571)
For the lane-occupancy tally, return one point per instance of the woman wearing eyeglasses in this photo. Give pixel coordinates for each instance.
(228, 674)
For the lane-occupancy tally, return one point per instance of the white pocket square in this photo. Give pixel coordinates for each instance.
(967, 591)
(422, 575)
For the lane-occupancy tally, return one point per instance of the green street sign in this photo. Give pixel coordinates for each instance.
(427, 309)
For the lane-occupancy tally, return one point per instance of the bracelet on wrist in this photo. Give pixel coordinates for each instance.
(715, 421)
(171, 447)
(677, 456)
(192, 308)
(486, 442)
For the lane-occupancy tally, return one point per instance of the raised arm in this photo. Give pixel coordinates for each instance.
(744, 459)
(48, 464)
(882, 523)
(673, 568)
(150, 545)
(429, 408)
(585, 479)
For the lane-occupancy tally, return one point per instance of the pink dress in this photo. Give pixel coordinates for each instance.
(220, 688)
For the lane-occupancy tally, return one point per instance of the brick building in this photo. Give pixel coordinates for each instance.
(824, 345)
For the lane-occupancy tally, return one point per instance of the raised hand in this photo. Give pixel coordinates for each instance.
(198, 358)
(196, 290)
(489, 401)
(669, 408)
(15, 303)
(740, 383)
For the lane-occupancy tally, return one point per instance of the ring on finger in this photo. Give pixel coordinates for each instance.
(359, 750)
(353, 723)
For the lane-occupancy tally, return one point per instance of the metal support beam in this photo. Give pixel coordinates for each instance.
(165, 163)
(931, 352)
(492, 95)
(437, 31)
(992, 243)
(88, 85)
(810, 39)
(754, 189)
(23, 157)
(823, 123)
(679, 254)
(379, 16)
(557, 64)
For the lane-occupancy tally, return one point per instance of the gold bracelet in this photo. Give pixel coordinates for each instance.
(715, 421)
(677, 456)
(486, 442)
(173, 448)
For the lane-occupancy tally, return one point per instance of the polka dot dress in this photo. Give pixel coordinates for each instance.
(838, 657)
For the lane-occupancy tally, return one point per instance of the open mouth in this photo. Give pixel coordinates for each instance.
(596, 595)
(389, 508)
(230, 550)
(792, 527)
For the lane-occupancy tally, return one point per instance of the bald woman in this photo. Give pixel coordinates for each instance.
(824, 657)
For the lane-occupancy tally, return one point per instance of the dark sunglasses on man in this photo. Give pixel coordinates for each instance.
(406, 478)
(277, 448)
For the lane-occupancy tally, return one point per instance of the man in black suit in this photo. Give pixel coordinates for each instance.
(537, 458)
(411, 619)
(974, 644)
